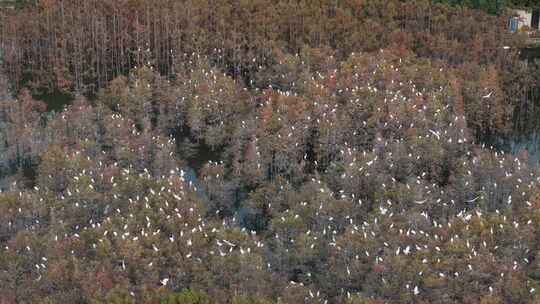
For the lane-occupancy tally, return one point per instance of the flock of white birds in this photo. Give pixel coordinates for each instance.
(366, 212)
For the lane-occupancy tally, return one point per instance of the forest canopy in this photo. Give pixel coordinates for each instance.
(493, 6)
(266, 152)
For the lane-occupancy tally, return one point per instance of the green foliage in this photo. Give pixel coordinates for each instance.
(186, 296)
(250, 300)
(490, 6)
(119, 296)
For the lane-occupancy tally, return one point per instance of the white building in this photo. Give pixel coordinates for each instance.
(521, 18)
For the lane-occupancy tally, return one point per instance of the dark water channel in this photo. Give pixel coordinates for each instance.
(518, 143)
(55, 100)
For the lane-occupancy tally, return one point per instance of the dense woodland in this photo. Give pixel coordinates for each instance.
(255, 152)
